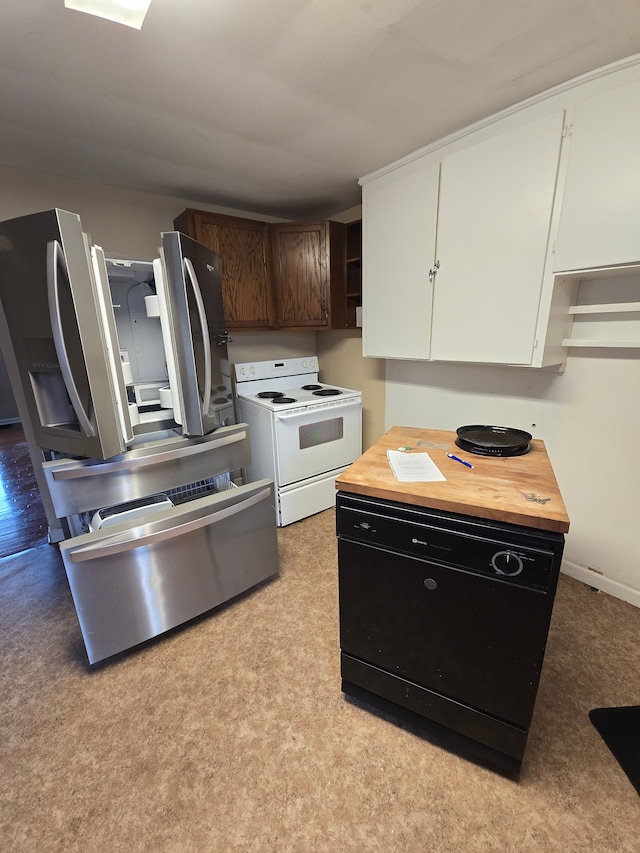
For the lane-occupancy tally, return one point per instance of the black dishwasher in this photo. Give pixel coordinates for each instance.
(444, 621)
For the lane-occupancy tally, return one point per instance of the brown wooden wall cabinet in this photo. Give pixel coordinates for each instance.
(289, 275)
(245, 264)
(304, 256)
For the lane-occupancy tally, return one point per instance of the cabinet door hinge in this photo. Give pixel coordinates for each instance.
(567, 130)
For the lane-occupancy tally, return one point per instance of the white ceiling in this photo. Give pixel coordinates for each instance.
(279, 106)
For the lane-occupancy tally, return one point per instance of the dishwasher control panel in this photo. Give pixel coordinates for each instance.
(505, 552)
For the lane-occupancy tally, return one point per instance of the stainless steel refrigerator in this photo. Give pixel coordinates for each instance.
(119, 369)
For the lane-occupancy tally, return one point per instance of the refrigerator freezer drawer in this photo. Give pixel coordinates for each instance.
(80, 485)
(129, 585)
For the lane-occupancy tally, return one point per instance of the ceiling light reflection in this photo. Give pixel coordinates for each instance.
(129, 12)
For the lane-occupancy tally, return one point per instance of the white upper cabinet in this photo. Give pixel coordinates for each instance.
(399, 212)
(600, 216)
(487, 207)
(496, 200)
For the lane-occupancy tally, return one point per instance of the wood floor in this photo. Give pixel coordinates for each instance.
(22, 520)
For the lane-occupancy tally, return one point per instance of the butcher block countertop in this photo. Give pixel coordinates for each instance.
(516, 489)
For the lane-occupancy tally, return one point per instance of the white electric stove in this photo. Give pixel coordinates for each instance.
(303, 432)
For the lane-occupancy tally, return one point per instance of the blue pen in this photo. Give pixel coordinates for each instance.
(457, 458)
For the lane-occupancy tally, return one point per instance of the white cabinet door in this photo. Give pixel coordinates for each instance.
(600, 216)
(399, 213)
(496, 199)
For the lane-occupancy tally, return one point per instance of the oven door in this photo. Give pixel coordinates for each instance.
(310, 442)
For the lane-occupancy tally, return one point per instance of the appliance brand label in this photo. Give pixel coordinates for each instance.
(44, 365)
(415, 541)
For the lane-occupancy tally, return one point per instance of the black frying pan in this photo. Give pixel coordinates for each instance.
(487, 440)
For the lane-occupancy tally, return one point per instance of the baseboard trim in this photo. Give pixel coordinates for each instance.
(595, 579)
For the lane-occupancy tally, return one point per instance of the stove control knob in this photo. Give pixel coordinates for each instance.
(506, 563)
(253, 370)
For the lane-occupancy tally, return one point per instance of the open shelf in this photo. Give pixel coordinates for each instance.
(594, 342)
(605, 308)
(354, 271)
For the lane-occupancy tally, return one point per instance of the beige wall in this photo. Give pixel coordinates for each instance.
(269, 346)
(342, 363)
(587, 416)
(121, 221)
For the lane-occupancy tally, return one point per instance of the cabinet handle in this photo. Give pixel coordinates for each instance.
(434, 269)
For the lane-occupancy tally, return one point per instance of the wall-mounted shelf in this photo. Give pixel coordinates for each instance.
(354, 271)
(593, 342)
(605, 308)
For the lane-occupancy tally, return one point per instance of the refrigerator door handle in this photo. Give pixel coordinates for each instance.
(56, 261)
(108, 321)
(191, 275)
(126, 542)
(159, 271)
(131, 463)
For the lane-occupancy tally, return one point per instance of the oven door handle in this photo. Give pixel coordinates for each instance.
(304, 413)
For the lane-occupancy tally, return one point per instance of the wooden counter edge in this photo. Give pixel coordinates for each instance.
(501, 515)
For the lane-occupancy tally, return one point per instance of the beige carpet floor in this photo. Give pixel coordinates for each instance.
(232, 733)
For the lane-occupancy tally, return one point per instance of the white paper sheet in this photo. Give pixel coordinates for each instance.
(414, 467)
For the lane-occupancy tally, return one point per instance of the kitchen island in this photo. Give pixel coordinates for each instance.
(447, 589)
(518, 489)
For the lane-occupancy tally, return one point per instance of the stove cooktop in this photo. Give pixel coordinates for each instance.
(288, 383)
(301, 395)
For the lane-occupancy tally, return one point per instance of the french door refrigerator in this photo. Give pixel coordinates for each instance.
(119, 368)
